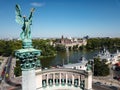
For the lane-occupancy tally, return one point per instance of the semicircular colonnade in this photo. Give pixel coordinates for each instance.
(65, 77)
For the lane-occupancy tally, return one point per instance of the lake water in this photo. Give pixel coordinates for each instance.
(67, 57)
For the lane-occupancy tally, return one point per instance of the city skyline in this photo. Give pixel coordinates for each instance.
(54, 18)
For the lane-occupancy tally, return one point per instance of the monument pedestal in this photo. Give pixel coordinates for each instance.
(29, 61)
(88, 81)
(28, 80)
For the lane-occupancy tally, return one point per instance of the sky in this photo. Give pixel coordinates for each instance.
(71, 18)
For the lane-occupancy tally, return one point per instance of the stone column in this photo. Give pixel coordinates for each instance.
(88, 81)
(79, 81)
(66, 78)
(28, 80)
(46, 79)
(60, 78)
(53, 78)
(27, 55)
(72, 79)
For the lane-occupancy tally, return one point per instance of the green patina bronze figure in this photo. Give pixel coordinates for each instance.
(28, 56)
(26, 29)
(26, 22)
(89, 67)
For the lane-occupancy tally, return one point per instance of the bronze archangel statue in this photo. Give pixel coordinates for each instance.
(26, 22)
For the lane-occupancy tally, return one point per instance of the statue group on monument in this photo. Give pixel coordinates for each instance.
(26, 22)
(27, 55)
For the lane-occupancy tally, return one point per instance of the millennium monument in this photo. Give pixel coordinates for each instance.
(28, 56)
(48, 79)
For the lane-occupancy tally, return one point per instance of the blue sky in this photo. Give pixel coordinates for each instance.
(71, 18)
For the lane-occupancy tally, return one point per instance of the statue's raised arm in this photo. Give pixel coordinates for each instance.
(30, 17)
(19, 18)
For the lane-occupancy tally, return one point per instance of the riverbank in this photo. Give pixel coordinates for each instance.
(49, 56)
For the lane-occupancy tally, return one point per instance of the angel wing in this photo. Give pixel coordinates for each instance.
(30, 17)
(19, 18)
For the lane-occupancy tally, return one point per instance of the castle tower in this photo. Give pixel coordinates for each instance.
(62, 40)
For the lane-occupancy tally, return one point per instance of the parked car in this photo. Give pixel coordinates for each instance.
(113, 88)
(115, 77)
(117, 68)
(98, 83)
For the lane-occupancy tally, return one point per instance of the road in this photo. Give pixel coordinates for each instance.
(6, 76)
(100, 87)
(108, 80)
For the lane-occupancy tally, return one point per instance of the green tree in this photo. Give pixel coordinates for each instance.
(98, 43)
(60, 48)
(17, 69)
(100, 68)
(2, 46)
(44, 45)
(75, 47)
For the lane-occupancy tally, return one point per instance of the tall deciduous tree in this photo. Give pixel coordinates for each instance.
(100, 68)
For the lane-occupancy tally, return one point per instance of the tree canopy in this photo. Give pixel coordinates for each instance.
(8, 48)
(100, 68)
(97, 43)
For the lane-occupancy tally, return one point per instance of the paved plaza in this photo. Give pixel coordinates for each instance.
(60, 87)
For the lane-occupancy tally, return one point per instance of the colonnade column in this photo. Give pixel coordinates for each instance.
(53, 78)
(46, 79)
(72, 79)
(66, 78)
(79, 79)
(60, 78)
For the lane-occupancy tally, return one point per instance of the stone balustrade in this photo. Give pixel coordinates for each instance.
(63, 76)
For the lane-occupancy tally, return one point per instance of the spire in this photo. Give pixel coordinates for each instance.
(62, 37)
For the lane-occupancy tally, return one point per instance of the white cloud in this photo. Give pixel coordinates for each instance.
(37, 4)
